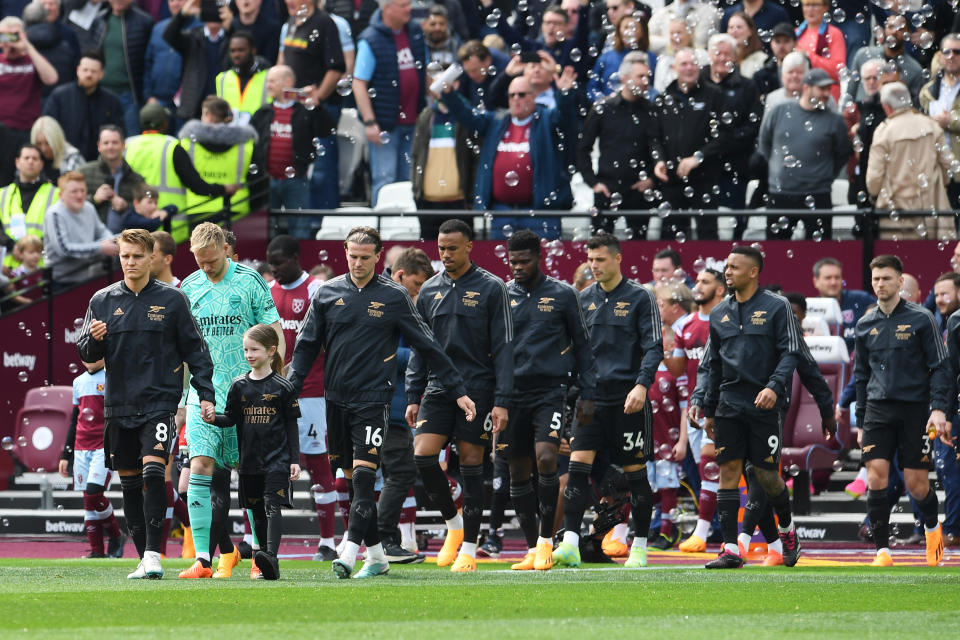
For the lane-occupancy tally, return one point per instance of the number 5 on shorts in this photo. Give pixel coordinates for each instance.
(374, 436)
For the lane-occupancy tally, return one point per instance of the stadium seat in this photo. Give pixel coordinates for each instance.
(838, 192)
(829, 310)
(396, 196)
(351, 145)
(43, 422)
(400, 227)
(336, 227)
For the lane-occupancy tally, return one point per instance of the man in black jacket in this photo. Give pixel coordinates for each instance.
(145, 332)
(198, 46)
(689, 142)
(623, 124)
(551, 340)
(357, 319)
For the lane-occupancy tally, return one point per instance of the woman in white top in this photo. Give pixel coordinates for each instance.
(750, 53)
(681, 37)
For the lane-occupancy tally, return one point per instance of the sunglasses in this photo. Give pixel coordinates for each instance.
(518, 94)
(951, 52)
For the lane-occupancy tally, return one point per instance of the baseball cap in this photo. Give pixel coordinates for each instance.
(153, 116)
(817, 78)
(784, 29)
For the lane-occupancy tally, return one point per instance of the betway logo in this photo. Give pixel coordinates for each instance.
(238, 527)
(814, 534)
(62, 526)
(18, 361)
(291, 325)
(71, 337)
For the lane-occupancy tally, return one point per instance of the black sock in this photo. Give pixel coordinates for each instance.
(781, 504)
(259, 522)
(641, 502)
(525, 506)
(132, 487)
(372, 535)
(220, 510)
(549, 487)
(768, 526)
(363, 507)
(878, 509)
(501, 494)
(274, 519)
(154, 504)
(435, 485)
(928, 508)
(576, 495)
(756, 502)
(728, 503)
(472, 501)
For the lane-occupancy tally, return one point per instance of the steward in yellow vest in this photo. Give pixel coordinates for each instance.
(244, 85)
(24, 202)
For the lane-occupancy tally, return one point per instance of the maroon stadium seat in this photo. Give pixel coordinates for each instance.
(43, 422)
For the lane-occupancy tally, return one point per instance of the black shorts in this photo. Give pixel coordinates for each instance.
(534, 416)
(627, 436)
(355, 431)
(128, 440)
(898, 428)
(755, 435)
(253, 488)
(440, 414)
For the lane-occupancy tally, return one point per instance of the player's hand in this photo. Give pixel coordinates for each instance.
(938, 421)
(694, 413)
(708, 427)
(207, 411)
(837, 414)
(98, 329)
(564, 447)
(635, 399)
(466, 405)
(294, 472)
(766, 399)
(62, 468)
(829, 426)
(679, 451)
(585, 410)
(499, 417)
(413, 410)
(860, 438)
(947, 437)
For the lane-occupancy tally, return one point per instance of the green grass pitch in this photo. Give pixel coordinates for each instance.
(78, 599)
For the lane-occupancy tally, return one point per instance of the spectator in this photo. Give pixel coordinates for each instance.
(55, 17)
(389, 88)
(444, 164)
(782, 42)
(829, 283)
(792, 71)
(750, 53)
(480, 66)
(29, 249)
(690, 139)
(940, 99)
(125, 39)
(667, 268)
(59, 156)
(623, 124)
(822, 42)
(110, 180)
(675, 302)
(815, 326)
(892, 51)
(265, 29)
(222, 154)
(23, 71)
(24, 202)
(681, 37)
(50, 43)
(345, 32)
(630, 35)
(87, 20)
(286, 130)
(540, 71)
(701, 15)
(765, 14)
(742, 113)
(866, 116)
(144, 213)
(74, 235)
(163, 66)
(312, 48)
(909, 160)
(203, 50)
(553, 35)
(806, 145)
(441, 44)
(244, 85)
(161, 260)
(519, 165)
(82, 107)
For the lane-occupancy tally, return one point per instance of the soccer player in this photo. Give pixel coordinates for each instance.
(292, 289)
(753, 348)
(226, 298)
(901, 369)
(144, 332)
(84, 448)
(469, 312)
(164, 251)
(688, 345)
(550, 339)
(669, 445)
(627, 342)
(357, 319)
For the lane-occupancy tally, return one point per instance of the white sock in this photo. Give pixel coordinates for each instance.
(620, 532)
(776, 545)
(862, 474)
(571, 538)
(541, 540)
(731, 548)
(639, 543)
(326, 542)
(349, 553)
(786, 529)
(375, 554)
(202, 555)
(407, 534)
(469, 548)
(248, 538)
(932, 528)
(744, 539)
(885, 550)
(703, 529)
(456, 522)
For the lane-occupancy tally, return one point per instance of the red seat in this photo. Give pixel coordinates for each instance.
(42, 423)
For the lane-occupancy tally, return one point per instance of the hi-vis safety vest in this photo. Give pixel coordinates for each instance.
(229, 167)
(19, 223)
(151, 155)
(244, 103)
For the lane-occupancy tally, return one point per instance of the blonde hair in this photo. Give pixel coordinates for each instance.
(139, 237)
(52, 132)
(207, 235)
(267, 336)
(29, 242)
